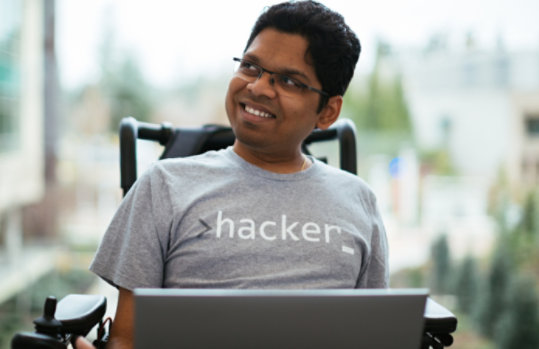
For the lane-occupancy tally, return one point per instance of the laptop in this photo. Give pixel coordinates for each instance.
(263, 319)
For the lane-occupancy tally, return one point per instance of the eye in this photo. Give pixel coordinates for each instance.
(290, 83)
(249, 68)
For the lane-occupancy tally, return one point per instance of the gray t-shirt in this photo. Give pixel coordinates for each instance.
(216, 221)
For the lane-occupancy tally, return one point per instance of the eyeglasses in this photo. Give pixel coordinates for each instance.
(252, 72)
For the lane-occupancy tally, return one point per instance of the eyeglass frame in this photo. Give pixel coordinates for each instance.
(263, 70)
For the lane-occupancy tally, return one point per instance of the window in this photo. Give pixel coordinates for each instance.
(532, 125)
(10, 30)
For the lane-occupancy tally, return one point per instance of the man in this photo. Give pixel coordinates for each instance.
(259, 214)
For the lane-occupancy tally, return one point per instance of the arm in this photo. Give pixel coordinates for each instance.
(121, 336)
(376, 274)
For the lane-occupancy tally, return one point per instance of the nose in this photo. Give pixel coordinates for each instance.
(263, 85)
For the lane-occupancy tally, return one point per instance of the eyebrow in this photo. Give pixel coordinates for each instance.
(285, 71)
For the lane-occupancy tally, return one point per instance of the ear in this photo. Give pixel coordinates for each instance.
(330, 113)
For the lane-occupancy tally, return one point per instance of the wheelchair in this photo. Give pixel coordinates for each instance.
(77, 315)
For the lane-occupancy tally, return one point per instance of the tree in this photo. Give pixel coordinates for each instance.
(519, 325)
(441, 270)
(383, 106)
(466, 285)
(122, 81)
(127, 92)
(495, 290)
(530, 216)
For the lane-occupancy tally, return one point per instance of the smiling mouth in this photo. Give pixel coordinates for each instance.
(256, 112)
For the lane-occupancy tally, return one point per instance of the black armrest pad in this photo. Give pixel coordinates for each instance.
(438, 319)
(80, 313)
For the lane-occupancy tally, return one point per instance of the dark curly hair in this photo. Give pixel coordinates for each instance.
(333, 48)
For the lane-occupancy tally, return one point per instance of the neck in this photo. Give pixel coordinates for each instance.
(290, 162)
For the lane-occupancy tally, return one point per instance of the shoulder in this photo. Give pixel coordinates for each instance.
(344, 182)
(166, 173)
(334, 174)
(168, 178)
(193, 165)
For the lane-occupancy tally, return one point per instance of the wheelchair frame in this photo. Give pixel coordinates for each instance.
(76, 315)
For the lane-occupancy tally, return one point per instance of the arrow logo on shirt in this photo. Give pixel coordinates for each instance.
(207, 227)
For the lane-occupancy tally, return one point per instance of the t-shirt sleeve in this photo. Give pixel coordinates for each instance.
(376, 272)
(131, 253)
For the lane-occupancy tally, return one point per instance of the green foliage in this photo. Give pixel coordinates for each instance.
(122, 81)
(502, 300)
(467, 285)
(10, 323)
(441, 265)
(495, 290)
(508, 307)
(519, 325)
(519, 229)
(382, 107)
(127, 92)
(18, 313)
(499, 203)
(437, 161)
(529, 224)
(59, 285)
(413, 277)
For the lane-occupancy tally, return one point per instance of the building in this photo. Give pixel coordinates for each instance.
(482, 105)
(482, 108)
(23, 111)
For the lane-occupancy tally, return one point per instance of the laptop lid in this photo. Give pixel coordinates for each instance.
(314, 319)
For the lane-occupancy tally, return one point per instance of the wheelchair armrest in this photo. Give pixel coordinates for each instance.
(80, 313)
(438, 319)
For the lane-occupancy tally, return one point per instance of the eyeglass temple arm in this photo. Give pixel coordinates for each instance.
(345, 131)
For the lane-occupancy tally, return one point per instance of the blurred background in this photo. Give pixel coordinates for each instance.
(445, 100)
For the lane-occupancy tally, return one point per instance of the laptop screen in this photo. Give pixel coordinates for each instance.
(195, 318)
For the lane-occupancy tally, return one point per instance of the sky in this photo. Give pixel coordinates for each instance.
(177, 40)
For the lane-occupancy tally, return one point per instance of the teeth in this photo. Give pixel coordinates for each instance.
(257, 112)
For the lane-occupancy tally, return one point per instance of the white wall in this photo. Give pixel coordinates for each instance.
(21, 170)
(481, 94)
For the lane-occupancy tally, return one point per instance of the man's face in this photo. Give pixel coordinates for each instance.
(262, 117)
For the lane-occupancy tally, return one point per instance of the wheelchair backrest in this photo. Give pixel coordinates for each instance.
(181, 142)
